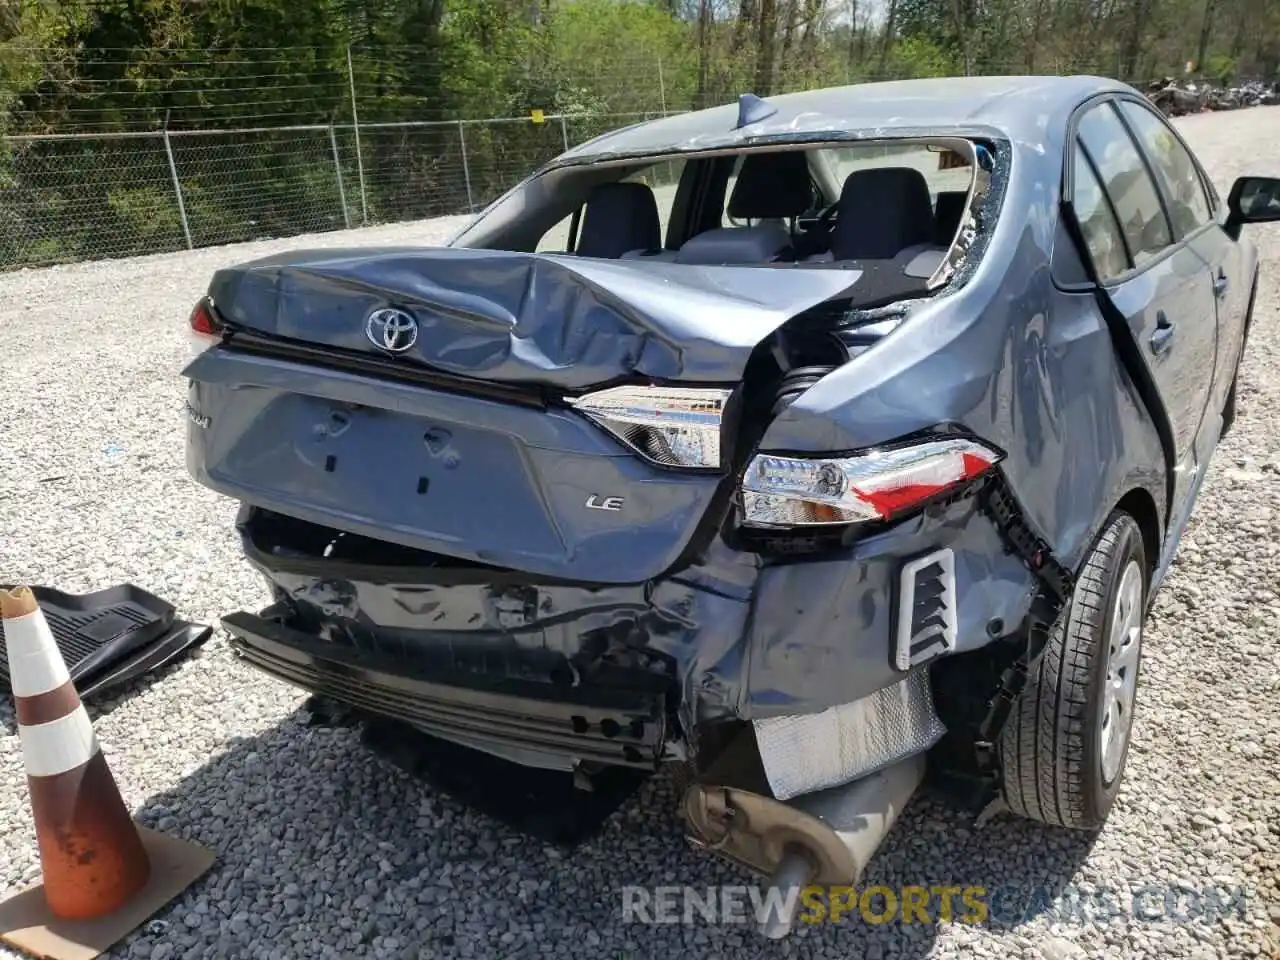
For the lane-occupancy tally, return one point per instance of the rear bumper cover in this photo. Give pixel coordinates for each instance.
(734, 637)
(620, 727)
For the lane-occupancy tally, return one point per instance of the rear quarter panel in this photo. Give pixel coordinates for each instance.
(1013, 359)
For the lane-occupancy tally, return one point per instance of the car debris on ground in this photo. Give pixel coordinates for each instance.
(111, 636)
(1180, 97)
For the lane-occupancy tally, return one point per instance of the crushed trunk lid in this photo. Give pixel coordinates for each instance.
(464, 469)
(558, 320)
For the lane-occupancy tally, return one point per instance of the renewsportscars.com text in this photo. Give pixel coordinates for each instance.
(970, 904)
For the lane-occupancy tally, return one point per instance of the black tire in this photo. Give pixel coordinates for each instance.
(1051, 748)
(1230, 408)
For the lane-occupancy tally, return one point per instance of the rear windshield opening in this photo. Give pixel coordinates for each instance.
(889, 207)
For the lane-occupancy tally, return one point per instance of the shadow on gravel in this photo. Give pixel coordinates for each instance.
(325, 850)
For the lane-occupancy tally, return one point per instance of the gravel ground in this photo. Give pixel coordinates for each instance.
(324, 851)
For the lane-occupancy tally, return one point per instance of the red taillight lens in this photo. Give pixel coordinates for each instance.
(203, 326)
(202, 320)
(878, 485)
(931, 473)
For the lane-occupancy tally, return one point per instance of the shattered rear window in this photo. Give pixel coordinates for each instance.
(797, 205)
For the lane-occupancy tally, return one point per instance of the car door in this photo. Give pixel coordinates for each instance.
(1166, 291)
(1196, 214)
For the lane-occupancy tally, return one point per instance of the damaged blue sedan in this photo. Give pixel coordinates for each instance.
(793, 442)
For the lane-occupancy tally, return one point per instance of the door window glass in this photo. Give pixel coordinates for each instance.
(1188, 204)
(1097, 223)
(1126, 181)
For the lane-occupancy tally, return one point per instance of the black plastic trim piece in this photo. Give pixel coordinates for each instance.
(241, 341)
(1057, 584)
(569, 721)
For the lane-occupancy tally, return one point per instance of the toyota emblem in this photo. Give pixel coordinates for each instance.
(391, 330)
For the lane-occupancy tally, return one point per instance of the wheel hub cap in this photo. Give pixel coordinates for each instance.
(1124, 642)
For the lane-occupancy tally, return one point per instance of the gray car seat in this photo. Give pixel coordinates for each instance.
(619, 218)
(771, 190)
(771, 186)
(883, 211)
(886, 214)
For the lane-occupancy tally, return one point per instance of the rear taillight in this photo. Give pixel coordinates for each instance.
(204, 327)
(880, 485)
(671, 426)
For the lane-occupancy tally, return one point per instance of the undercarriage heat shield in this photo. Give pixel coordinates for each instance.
(801, 754)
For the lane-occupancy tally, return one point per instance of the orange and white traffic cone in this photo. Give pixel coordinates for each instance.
(103, 874)
(91, 854)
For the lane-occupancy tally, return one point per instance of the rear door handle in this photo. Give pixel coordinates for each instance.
(1163, 337)
(1220, 283)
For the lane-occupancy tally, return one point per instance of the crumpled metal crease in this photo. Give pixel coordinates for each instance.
(571, 322)
(815, 751)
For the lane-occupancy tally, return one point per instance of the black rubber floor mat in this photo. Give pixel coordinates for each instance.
(183, 637)
(110, 636)
(541, 803)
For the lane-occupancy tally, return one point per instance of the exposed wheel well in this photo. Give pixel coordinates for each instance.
(1139, 504)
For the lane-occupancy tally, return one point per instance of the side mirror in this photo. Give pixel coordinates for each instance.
(1252, 200)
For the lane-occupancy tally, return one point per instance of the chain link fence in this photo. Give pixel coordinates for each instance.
(69, 197)
(74, 197)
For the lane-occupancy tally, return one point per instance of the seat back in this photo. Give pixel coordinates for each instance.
(883, 211)
(619, 218)
(771, 186)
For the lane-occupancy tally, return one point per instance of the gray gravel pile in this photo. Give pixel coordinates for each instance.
(326, 852)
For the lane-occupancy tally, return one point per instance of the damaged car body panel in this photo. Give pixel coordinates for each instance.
(511, 317)
(754, 472)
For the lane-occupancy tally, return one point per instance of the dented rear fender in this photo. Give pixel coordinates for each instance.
(1015, 361)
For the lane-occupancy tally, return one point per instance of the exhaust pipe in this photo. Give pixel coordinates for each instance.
(793, 874)
(825, 838)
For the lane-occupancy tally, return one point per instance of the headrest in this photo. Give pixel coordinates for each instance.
(619, 217)
(883, 210)
(771, 186)
(762, 243)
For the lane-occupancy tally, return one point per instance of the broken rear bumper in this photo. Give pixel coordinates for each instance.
(616, 673)
(619, 727)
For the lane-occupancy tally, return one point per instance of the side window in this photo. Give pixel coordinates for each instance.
(1189, 206)
(1098, 224)
(1126, 182)
(556, 240)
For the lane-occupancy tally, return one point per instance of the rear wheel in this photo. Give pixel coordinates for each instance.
(1064, 747)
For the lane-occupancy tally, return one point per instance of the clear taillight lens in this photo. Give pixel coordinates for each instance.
(204, 329)
(673, 426)
(877, 485)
